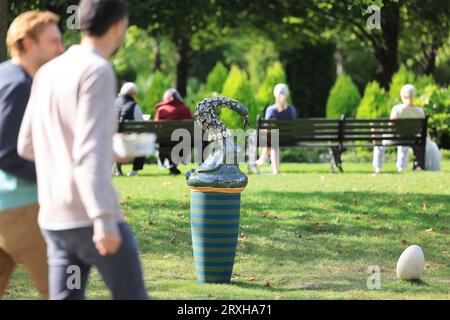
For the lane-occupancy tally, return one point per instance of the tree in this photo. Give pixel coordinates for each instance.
(179, 21)
(3, 29)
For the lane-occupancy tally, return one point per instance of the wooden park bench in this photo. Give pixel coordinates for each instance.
(340, 134)
(163, 130)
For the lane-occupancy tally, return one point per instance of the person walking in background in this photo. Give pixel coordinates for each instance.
(406, 110)
(68, 129)
(33, 39)
(171, 108)
(129, 110)
(281, 110)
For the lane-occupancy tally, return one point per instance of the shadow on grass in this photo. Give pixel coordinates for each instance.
(303, 231)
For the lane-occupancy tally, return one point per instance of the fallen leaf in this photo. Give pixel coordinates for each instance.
(251, 279)
(424, 206)
(404, 242)
(265, 213)
(268, 284)
(278, 297)
(392, 202)
(429, 230)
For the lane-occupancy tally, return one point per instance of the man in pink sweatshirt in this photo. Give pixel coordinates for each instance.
(68, 129)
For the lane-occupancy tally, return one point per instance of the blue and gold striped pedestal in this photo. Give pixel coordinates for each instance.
(215, 231)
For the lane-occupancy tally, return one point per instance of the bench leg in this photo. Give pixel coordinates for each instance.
(336, 161)
(419, 157)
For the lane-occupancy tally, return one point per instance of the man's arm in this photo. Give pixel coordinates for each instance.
(92, 149)
(12, 111)
(138, 116)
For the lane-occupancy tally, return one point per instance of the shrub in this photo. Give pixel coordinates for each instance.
(216, 78)
(374, 103)
(436, 102)
(151, 91)
(274, 75)
(237, 87)
(344, 98)
(399, 79)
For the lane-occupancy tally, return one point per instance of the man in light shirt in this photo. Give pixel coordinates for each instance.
(68, 129)
(407, 110)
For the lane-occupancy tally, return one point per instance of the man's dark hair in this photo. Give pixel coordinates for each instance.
(97, 16)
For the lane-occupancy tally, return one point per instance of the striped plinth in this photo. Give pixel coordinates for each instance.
(215, 231)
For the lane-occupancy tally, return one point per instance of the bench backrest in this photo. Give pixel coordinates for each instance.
(323, 131)
(374, 131)
(163, 128)
(345, 131)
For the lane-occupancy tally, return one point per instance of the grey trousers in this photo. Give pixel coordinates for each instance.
(71, 255)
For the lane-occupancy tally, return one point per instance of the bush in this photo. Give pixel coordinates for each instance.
(274, 75)
(310, 72)
(436, 102)
(300, 155)
(151, 91)
(399, 79)
(374, 103)
(216, 78)
(344, 98)
(238, 87)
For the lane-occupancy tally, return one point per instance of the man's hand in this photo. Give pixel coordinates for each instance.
(107, 244)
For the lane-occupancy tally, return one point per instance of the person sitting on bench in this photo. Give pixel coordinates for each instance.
(129, 110)
(406, 110)
(171, 108)
(281, 110)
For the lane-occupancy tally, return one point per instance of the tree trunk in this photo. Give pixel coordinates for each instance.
(431, 56)
(157, 66)
(386, 53)
(3, 29)
(183, 48)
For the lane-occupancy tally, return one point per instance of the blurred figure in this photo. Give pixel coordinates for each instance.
(171, 108)
(33, 39)
(406, 110)
(68, 129)
(129, 110)
(281, 110)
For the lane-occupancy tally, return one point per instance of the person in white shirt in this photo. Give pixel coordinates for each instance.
(406, 110)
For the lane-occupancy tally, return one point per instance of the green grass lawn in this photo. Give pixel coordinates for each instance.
(305, 234)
